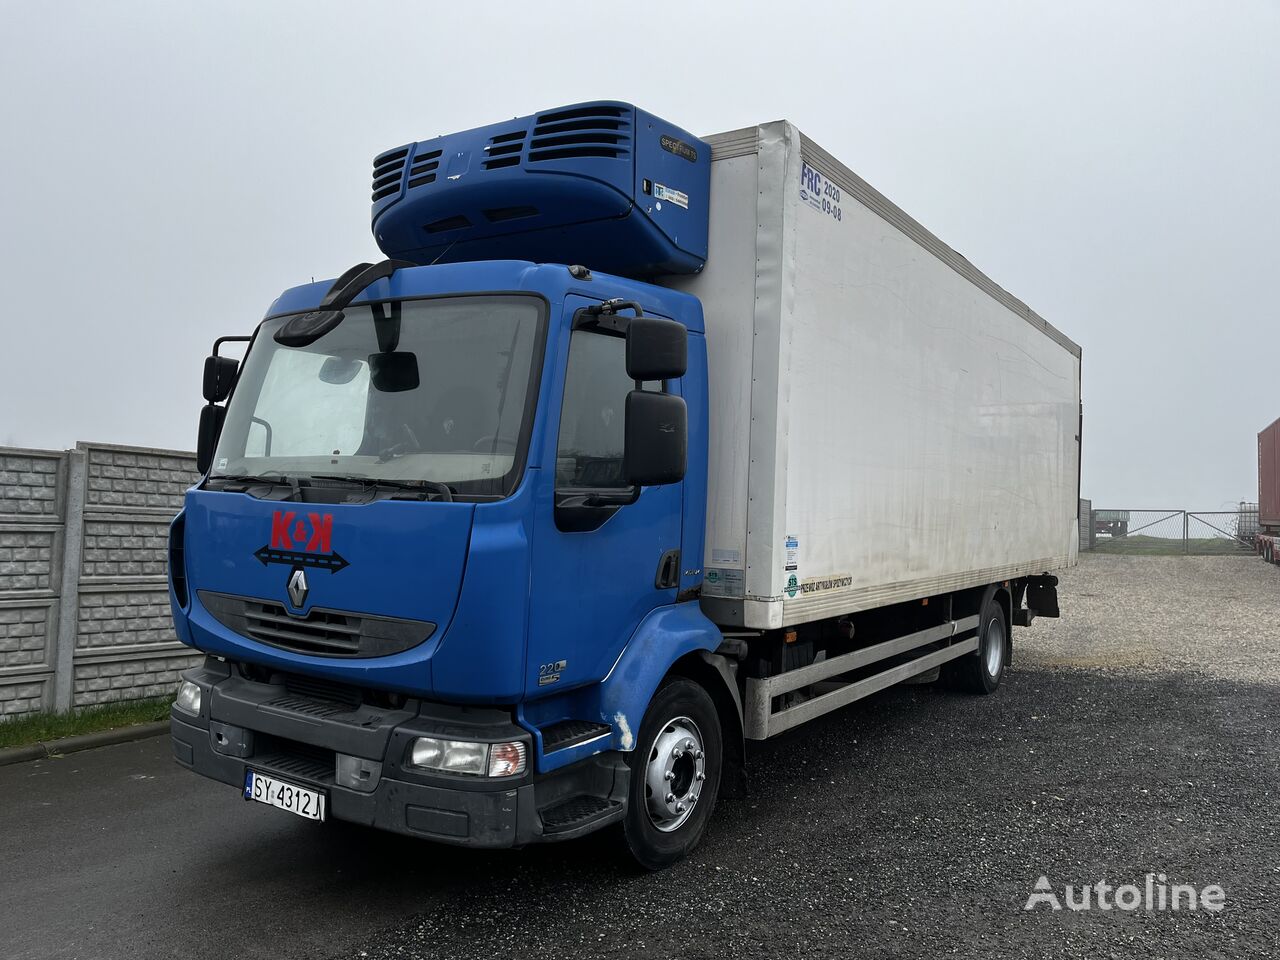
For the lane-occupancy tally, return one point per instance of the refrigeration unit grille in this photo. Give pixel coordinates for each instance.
(597, 131)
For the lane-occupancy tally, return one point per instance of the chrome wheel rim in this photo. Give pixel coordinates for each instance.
(995, 647)
(674, 774)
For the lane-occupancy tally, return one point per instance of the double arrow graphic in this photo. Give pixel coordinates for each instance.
(291, 558)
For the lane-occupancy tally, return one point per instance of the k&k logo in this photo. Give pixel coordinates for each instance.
(317, 536)
(301, 541)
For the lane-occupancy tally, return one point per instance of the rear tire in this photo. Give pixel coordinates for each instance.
(981, 672)
(675, 774)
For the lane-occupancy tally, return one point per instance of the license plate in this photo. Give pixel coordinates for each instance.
(286, 796)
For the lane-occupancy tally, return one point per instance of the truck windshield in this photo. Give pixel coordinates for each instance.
(437, 390)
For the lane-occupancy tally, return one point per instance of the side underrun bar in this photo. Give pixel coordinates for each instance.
(762, 721)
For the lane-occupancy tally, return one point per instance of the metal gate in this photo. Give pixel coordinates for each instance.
(1173, 531)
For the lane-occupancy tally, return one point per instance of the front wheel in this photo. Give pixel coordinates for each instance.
(675, 774)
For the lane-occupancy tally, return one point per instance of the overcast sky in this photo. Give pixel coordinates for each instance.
(169, 168)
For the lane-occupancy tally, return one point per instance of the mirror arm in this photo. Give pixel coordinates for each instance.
(266, 448)
(605, 316)
(221, 340)
(611, 307)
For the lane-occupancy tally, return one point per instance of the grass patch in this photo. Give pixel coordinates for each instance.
(35, 727)
(1164, 546)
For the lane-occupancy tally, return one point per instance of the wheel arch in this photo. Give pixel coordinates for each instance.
(973, 601)
(968, 673)
(718, 676)
(664, 638)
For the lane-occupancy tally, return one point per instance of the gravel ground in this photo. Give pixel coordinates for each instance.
(1135, 735)
(1212, 615)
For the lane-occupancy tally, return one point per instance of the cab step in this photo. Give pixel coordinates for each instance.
(570, 733)
(579, 814)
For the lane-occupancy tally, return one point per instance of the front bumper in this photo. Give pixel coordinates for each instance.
(307, 740)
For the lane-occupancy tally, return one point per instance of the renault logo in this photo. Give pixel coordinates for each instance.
(298, 588)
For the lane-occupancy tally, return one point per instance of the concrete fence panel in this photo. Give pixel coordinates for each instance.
(84, 605)
(32, 524)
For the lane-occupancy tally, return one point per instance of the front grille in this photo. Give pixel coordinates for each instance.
(597, 131)
(321, 632)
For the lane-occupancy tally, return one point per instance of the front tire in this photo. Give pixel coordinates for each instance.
(981, 672)
(675, 774)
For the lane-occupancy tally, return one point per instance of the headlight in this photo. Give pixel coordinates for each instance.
(468, 757)
(188, 700)
(450, 756)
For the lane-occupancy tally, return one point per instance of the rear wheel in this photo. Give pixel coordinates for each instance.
(981, 672)
(675, 774)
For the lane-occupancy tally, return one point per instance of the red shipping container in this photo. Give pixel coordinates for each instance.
(1269, 478)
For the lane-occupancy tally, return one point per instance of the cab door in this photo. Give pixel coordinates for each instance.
(605, 552)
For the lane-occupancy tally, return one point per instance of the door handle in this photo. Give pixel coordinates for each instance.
(668, 577)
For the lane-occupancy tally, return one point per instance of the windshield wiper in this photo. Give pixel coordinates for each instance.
(276, 479)
(246, 480)
(442, 490)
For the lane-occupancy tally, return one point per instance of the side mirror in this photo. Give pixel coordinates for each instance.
(219, 373)
(211, 417)
(657, 427)
(657, 349)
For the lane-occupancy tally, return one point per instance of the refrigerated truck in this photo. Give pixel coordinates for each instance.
(636, 447)
(1267, 538)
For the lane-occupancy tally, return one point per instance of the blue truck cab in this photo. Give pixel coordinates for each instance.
(445, 554)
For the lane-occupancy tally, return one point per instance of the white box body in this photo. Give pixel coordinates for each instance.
(886, 423)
